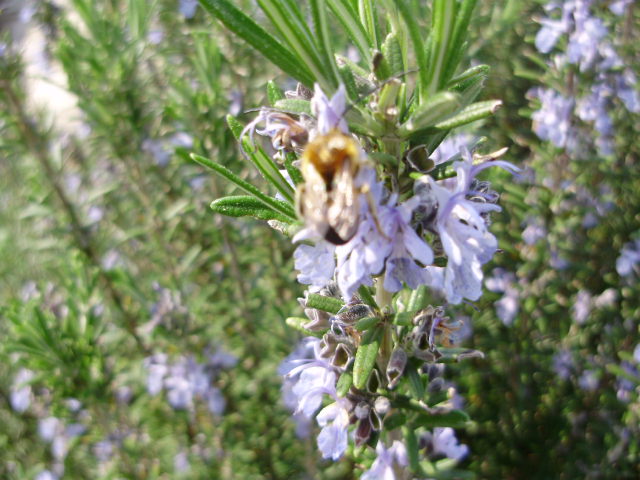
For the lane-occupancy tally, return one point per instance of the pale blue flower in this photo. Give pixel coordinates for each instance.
(563, 364)
(626, 91)
(188, 8)
(618, 7)
(46, 475)
(445, 443)
(551, 31)
(462, 231)
(504, 282)
(334, 420)
(450, 148)
(627, 262)
(329, 113)
(315, 263)
(388, 462)
(553, 121)
(20, 397)
(584, 43)
(588, 381)
(581, 307)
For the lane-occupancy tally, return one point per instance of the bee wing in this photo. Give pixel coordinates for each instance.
(343, 214)
(312, 201)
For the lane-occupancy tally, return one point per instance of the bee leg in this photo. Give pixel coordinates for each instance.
(372, 208)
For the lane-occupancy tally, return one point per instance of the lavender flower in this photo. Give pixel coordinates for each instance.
(553, 121)
(462, 230)
(627, 262)
(386, 240)
(20, 397)
(316, 264)
(563, 364)
(383, 467)
(588, 380)
(504, 282)
(444, 442)
(334, 420)
(581, 307)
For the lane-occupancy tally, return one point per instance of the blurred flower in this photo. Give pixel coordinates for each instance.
(627, 262)
(20, 397)
(451, 147)
(186, 380)
(46, 475)
(581, 307)
(181, 462)
(383, 466)
(534, 231)
(188, 8)
(588, 380)
(618, 7)
(553, 121)
(504, 282)
(563, 364)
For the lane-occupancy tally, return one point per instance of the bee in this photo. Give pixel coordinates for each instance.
(328, 199)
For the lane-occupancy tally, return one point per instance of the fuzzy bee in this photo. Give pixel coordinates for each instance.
(328, 199)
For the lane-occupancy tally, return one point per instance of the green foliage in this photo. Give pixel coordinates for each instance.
(109, 252)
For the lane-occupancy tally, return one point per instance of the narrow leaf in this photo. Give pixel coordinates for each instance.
(258, 38)
(366, 356)
(430, 112)
(244, 205)
(475, 111)
(326, 304)
(246, 186)
(452, 418)
(344, 383)
(298, 322)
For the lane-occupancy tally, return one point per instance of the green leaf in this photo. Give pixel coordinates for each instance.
(366, 356)
(418, 42)
(347, 16)
(224, 172)
(452, 418)
(326, 304)
(367, 298)
(247, 206)
(366, 323)
(430, 112)
(369, 19)
(417, 300)
(274, 93)
(443, 21)
(475, 111)
(288, 21)
(292, 170)
(298, 322)
(477, 71)
(344, 383)
(411, 442)
(258, 38)
(456, 48)
(294, 106)
(415, 382)
(265, 164)
(319, 15)
(395, 420)
(392, 53)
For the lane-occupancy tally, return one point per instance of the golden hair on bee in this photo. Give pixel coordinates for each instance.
(328, 200)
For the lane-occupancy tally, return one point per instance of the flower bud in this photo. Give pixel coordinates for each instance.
(395, 367)
(382, 405)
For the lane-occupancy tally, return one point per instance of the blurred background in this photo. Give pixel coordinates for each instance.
(140, 334)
